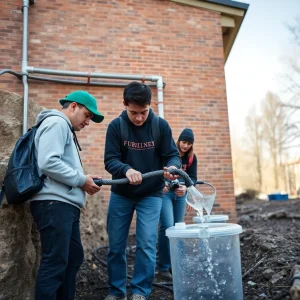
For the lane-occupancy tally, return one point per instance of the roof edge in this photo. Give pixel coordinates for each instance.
(230, 3)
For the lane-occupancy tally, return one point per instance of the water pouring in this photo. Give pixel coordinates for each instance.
(199, 201)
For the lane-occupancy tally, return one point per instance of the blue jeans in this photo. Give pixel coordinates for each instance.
(172, 211)
(62, 251)
(119, 217)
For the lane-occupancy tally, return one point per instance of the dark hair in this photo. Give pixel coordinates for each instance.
(137, 93)
(189, 154)
(67, 104)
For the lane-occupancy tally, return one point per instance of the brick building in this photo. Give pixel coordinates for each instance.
(184, 42)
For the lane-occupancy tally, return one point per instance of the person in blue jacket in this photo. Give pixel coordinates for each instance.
(130, 156)
(174, 200)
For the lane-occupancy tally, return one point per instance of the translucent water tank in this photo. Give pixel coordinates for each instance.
(206, 262)
(211, 219)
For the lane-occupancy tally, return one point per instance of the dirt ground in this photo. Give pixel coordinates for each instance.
(269, 250)
(269, 245)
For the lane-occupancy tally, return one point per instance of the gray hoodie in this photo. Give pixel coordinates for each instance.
(58, 159)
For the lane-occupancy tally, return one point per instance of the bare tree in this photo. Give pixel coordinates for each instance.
(254, 129)
(291, 82)
(295, 30)
(275, 130)
(243, 172)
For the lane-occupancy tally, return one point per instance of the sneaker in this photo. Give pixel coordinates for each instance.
(137, 297)
(165, 274)
(112, 297)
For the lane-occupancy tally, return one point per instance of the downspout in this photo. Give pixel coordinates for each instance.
(25, 8)
(160, 96)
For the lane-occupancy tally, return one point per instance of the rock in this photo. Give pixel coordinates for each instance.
(268, 273)
(277, 214)
(266, 246)
(244, 219)
(19, 246)
(93, 224)
(293, 216)
(247, 209)
(275, 278)
(283, 273)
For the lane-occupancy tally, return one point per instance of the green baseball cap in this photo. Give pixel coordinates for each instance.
(86, 99)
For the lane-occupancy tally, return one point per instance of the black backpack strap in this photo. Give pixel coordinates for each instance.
(156, 131)
(78, 148)
(1, 193)
(190, 161)
(124, 131)
(124, 134)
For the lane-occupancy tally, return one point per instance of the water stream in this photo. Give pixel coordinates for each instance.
(199, 201)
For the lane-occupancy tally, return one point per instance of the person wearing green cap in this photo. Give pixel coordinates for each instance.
(56, 208)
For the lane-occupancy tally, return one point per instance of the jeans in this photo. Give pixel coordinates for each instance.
(172, 211)
(62, 251)
(119, 217)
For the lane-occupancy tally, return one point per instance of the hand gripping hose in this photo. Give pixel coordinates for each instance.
(185, 176)
(194, 198)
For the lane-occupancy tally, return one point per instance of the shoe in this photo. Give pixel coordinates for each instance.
(165, 274)
(137, 297)
(112, 297)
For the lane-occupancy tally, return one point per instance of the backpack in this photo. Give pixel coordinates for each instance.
(190, 161)
(22, 180)
(124, 129)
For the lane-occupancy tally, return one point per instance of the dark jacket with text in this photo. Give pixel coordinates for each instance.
(140, 154)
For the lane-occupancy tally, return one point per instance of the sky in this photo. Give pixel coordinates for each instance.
(256, 60)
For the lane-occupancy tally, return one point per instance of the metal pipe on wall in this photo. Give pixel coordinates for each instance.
(155, 78)
(79, 82)
(25, 8)
(91, 74)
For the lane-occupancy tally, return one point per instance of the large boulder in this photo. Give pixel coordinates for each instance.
(19, 239)
(93, 224)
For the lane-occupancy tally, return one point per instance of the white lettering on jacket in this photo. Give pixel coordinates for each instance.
(139, 146)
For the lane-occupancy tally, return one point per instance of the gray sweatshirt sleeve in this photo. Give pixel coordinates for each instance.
(51, 146)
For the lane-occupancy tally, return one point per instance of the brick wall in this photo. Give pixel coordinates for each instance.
(153, 37)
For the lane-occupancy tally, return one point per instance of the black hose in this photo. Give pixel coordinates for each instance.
(185, 176)
(18, 75)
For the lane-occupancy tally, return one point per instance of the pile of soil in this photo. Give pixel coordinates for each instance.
(269, 251)
(269, 247)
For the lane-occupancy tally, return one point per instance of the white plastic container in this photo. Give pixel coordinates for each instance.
(206, 262)
(211, 219)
